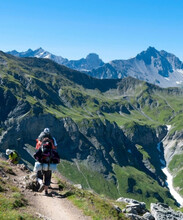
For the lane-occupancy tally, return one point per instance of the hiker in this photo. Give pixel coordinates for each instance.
(47, 158)
(13, 156)
(46, 134)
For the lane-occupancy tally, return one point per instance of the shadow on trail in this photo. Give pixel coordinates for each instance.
(60, 195)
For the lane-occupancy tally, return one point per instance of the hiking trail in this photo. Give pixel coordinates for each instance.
(52, 207)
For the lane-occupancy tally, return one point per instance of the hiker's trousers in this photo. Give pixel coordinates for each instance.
(45, 176)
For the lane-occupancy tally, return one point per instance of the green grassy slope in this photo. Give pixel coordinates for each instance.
(12, 202)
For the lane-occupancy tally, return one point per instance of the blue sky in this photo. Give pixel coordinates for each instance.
(115, 29)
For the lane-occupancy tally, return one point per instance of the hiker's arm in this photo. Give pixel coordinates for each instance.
(40, 137)
(55, 143)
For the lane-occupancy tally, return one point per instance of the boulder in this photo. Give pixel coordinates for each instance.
(163, 211)
(148, 216)
(134, 206)
(134, 217)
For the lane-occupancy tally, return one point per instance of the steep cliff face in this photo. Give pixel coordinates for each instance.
(7, 104)
(173, 144)
(99, 145)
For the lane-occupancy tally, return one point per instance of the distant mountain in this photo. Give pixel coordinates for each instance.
(91, 62)
(153, 66)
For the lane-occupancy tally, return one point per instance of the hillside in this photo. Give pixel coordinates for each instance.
(14, 205)
(107, 130)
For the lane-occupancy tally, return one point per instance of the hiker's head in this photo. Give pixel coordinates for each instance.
(46, 130)
(8, 151)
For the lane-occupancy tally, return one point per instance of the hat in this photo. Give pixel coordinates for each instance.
(47, 130)
(8, 151)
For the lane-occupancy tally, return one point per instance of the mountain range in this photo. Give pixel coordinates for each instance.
(153, 66)
(111, 133)
(92, 61)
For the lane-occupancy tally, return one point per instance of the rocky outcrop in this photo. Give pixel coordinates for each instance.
(116, 108)
(135, 132)
(7, 104)
(163, 211)
(146, 139)
(136, 210)
(173, 145)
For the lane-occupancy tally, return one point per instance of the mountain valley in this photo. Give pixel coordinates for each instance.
(107, 129)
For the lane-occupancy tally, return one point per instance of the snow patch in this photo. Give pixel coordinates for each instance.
(167, 78)
(180, 71)
(174, 193)
(41, 53)
(168, 127)
(178, 82)
(47, 56)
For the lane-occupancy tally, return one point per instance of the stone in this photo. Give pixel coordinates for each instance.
(79, 186)
(117, 208)
(134, 217)
(133, 206)
(163, 211)
(148, 216)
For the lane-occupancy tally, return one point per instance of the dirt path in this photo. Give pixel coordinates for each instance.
(55, 207)
(52, 207)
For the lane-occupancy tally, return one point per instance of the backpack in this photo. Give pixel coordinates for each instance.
(46, 148)
(46, 153)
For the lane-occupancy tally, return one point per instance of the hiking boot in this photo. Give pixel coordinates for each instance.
(41, 188)
(46, 192)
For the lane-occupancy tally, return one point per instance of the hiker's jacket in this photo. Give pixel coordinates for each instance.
(14, 157)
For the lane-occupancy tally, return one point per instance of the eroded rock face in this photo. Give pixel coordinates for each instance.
(173, 144)
(7, 103)
(137, 136)
(98, 143)
(163, 211)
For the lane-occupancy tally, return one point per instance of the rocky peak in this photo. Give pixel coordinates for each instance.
(93, 60)
(175, 62)
(39, 50)
(93, 57)
(29, 51)
(147, 55)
